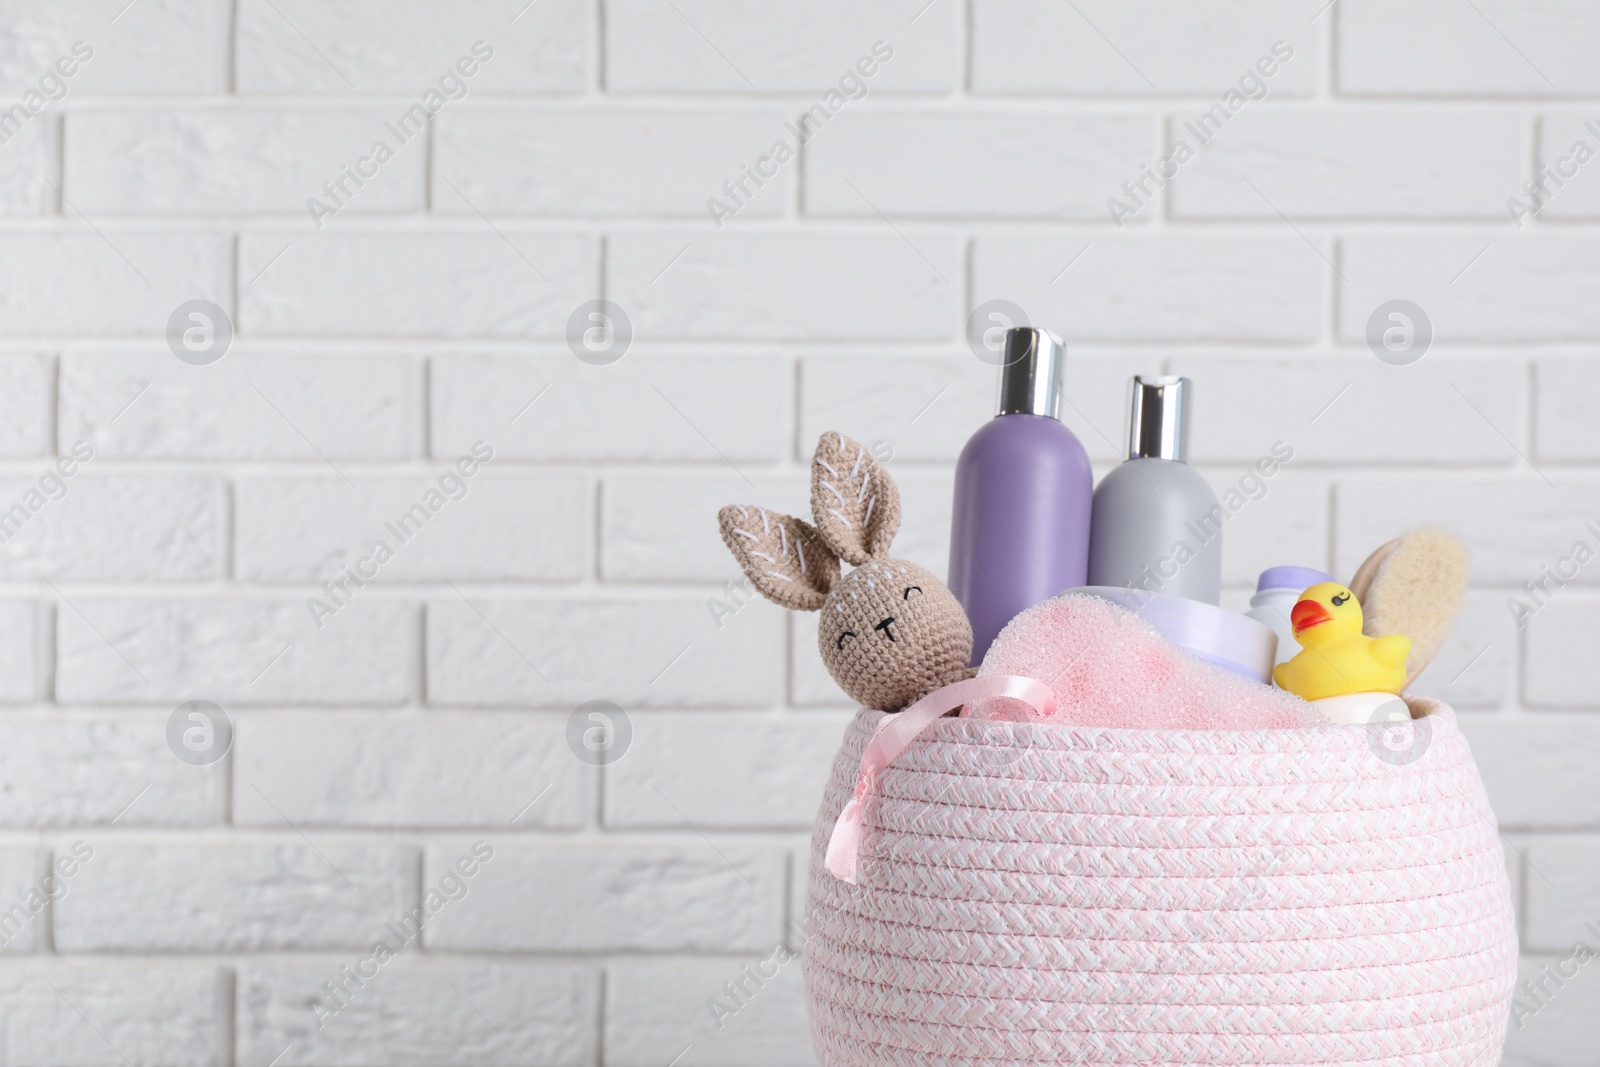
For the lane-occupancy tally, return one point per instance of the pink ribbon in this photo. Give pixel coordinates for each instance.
(898, 731)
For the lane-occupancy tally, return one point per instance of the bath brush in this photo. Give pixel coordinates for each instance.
(1413, 586)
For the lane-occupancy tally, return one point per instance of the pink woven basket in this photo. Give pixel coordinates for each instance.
(1033, 893)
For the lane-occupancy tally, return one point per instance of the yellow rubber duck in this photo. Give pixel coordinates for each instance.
(1336, 657)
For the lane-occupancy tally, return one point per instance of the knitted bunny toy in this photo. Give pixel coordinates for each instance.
(890, 631)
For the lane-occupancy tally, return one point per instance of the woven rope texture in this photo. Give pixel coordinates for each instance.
(1033, 893)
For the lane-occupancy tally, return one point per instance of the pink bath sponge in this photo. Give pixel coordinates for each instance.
(1108, 667)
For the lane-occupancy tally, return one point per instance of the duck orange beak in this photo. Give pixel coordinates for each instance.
(1308, 613)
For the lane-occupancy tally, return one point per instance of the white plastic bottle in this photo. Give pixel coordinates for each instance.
(1276, 593)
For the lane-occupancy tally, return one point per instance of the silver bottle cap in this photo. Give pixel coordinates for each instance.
(1158, 427)
(1030, 377)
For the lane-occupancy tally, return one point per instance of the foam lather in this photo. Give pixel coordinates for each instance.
(1032, 892)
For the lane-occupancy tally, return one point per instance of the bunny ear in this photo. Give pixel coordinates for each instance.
(854, 501)
(784, 557)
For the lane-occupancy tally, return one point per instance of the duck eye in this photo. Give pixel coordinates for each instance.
(847, 633)
(1341, 600)
(918, 588)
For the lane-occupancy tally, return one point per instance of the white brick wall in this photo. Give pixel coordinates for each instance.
(432, 709)
(256, 161)
(266, 895)
(462, 1012)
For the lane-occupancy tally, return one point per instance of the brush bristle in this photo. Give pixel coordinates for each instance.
(1417, 592)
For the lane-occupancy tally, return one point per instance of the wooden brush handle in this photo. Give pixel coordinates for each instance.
(1361, 584)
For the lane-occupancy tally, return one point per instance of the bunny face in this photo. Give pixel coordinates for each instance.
(890, 631)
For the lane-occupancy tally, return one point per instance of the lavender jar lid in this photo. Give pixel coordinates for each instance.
(1297, 578)
(1234, 642)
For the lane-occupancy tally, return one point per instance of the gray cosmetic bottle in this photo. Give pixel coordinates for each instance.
(1156, 524)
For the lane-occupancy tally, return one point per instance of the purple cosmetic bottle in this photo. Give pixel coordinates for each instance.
(1020, 532)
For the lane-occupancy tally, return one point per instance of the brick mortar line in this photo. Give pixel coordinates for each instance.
(881, 99)
(977, 226)
(461, 349)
